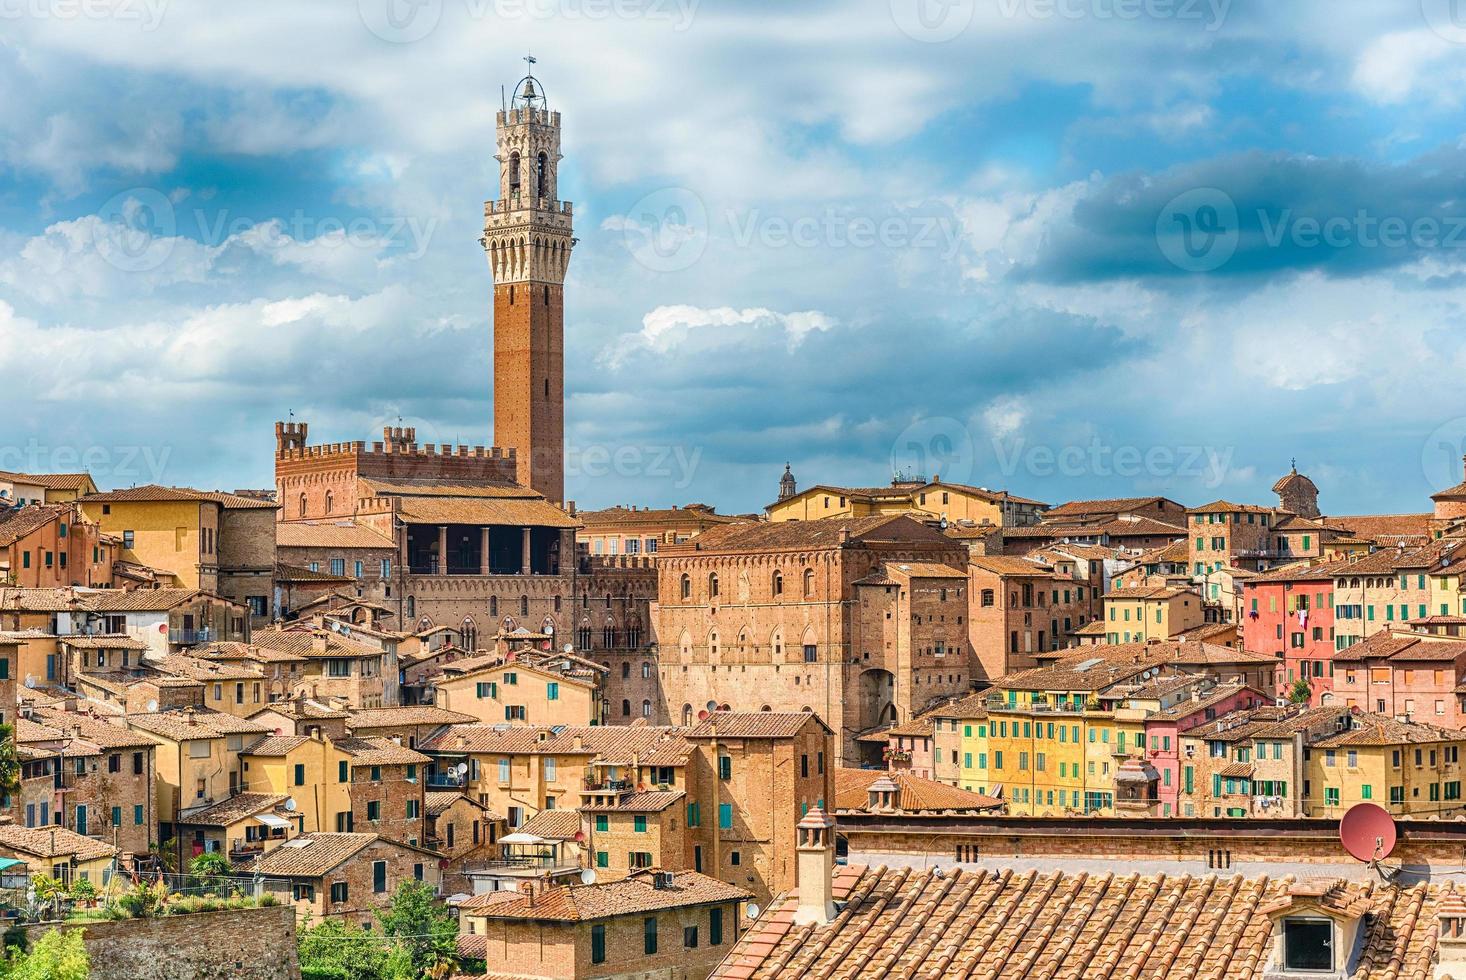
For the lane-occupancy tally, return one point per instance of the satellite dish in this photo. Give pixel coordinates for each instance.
(1368, 832)
(290, 804)
(702, 716)
(30, 681)
(461, 769)
(570, 648)
(588, 876)
(152, 706)
(163, 628)
(549, 629)
(753, 910)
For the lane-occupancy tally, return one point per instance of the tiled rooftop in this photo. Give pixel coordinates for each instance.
(632, 895)
(932, 924)
(913, 793)
(754, 724)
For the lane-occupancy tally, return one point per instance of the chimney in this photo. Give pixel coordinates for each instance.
(318, 643)
(1450, 950)
(815, 869)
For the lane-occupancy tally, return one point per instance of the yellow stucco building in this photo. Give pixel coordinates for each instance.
(1140, 614)
(936, 500)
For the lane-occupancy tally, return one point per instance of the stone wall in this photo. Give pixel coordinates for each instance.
(245, 944)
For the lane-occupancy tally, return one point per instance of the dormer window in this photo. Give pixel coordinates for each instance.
(1308, 945)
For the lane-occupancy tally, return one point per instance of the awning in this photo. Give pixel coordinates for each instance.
(7, 863)
(518, 838)
(270, 820)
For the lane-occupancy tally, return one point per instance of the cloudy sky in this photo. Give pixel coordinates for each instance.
(1066, 247)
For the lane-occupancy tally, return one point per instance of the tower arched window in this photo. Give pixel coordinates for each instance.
(778, 582)
(625, 669)
(494, 606)
(686, 580)
(713, 585)
(524, 605)
(625, 708)
(542, 176)
(302, 505)
(330, 502)
(646, 669)
(646, 709)
(809, 583)
(514, 173)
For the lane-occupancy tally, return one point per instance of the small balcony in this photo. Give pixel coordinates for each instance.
(446, 780)
(191, 637)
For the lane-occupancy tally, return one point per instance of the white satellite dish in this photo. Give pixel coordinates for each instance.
(549, 629)
(290, 804)
(753, 910)
(152, 706)
(461, 769)
(570, 648)
(30, 681)
(588, 876)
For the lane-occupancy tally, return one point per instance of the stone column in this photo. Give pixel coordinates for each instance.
(484, 565)
(442, 549)
(524, 563)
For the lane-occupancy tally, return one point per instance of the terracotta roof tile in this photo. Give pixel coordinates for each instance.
(408, 714)
(817, 535)
(553, 824)
(154, 492)
(754, 724)
(50, 842)
(645, 801)
(913, 794)
(231, 811)
(329, 534)
(633, 895)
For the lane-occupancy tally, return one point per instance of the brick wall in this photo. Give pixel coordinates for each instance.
(247, 944)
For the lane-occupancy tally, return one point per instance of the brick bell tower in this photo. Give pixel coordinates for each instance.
(528, 241)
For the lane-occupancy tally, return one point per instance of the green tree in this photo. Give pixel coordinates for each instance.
(57, 956)
(423, 930)
(335, 950)
(1300, 692)
(9, 765)
(211, 870)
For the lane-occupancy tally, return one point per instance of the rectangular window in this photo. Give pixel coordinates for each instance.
(339, 892)
(689, 937)
(299, 774)
(379, 876)
(639, 823)
(725, 767)
(715, 927)
(725, 816)
(649, 936)
(343, 771)
(552, 691)
(598, 944)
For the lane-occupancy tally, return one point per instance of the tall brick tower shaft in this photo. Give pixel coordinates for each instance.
(528, 241)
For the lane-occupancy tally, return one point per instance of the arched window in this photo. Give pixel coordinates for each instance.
(330, 502)
(494, 606)
(625, 669)
(646, 669)
(686, 580)
(646, 709)
(470, 634)
(686, 714)
(302, 505)
(625, 708)
(557, 603)
(514, 173)
(809, 583)
(713, 585)
(411, 607)
(778, 582)
(713, 643)
(542, 177)
(524, 605)
(608, 600)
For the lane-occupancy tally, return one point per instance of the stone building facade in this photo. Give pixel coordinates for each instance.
(770, 617)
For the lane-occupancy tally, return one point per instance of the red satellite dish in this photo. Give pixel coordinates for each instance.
(580, 837)
(1367, 832)
(702, 716)
(162, 627)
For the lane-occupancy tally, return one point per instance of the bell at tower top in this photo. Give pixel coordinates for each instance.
(528, 94)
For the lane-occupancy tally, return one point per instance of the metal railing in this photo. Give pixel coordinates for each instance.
(186, 637)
